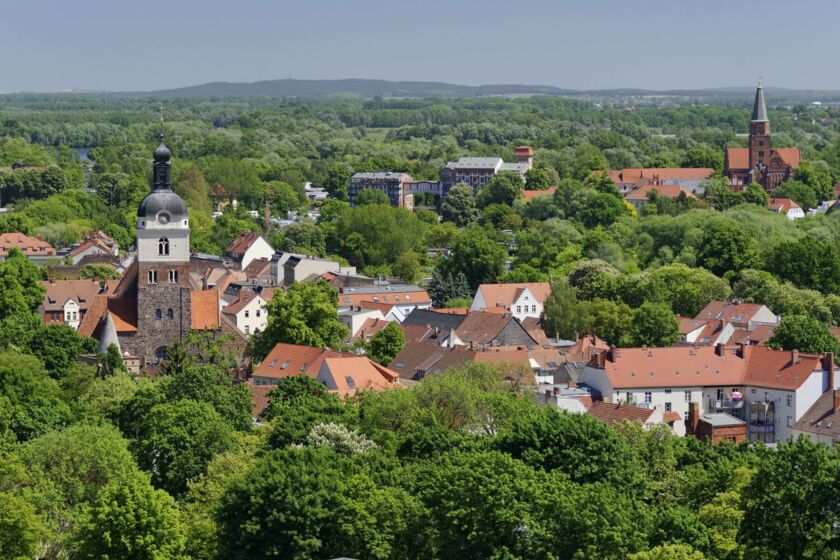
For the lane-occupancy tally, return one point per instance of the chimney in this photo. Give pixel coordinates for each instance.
(828, 365)
(719, 350)
(693, 417)
(836, 400)
(610, 354)
(794, 356)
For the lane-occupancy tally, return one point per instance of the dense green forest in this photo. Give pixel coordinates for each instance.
(464, 465)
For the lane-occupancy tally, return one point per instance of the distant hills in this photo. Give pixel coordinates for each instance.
(362, 88)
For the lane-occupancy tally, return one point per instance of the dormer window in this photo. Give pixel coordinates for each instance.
(163, 246)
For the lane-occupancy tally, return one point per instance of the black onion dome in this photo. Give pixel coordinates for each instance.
(162, 153)
(159, 201)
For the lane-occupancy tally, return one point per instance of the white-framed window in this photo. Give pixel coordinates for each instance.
(685, 416)
(720, 394)
(163, 246)
(688, 396)
(533, 309)
(648, 396)
(790, 400)
(247, 313)
(519, 309)
(153, 277)
(667, 407)
(173, 276)
(790, 421)
(258, 312)
(629, 396)
(247, 329)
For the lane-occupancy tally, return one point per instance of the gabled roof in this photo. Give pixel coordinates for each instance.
(781, 205)
(204, 309)
(516, 356)
(739, 158)
(31, 246)
(481, 327)
(504, 295)
(257, 267)
(429, 318)
(242, 243)
(666, 191)
(95, 313)
(530, 195)
(245, 297)
(707, 366)
(617, 413)
(636, 175)
(88, 244)
(823, 418)
(370, 327)
(287, 360)
(57, 292)
(417, 359)
(585, 348)
(407, 297)
(730, 311)
(356, 373)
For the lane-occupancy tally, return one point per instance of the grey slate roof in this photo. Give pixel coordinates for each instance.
(759, 113)
(444, 321)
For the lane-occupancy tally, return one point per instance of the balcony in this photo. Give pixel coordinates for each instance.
(730, 404)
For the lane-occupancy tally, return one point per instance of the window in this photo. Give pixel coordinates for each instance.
(247, 329)
(688, 396)
(761, 142)
(667, 391)
(173, 276)
(533, 309)
(790, 400)
(629, 396)
(158, 314)
(685, 416)
(170, 314)
(163, 246)
(667, 407)
(720, 394)
(247, 313)
(761, 153)
(519, 309)
(790, 421)
(648, 396)
(258, 312)
(153, 277)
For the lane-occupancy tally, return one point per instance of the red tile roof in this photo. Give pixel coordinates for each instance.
(585, 348)
(257, 267)
(94, 314)
(369, 328)
(31, 246)
(504, 356)
(287, 360)
(739, 158)
(204, 308)
(357, 373)
(638, 175)
(503, 295)
(242, 243)
(730, 311)
(823, 418)
(124, 312)
(530, 195)
(419, 297)
(617, 413)
(237, 305)
(708, 366)
(781, 205)
(259, 395)
(665, 191)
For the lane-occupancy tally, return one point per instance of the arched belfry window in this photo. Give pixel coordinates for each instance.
(163, 246)
(170, 314)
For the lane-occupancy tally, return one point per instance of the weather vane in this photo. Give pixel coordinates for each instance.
(759, 85)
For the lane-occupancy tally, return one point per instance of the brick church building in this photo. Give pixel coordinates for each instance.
(155, 303)
(760, 162)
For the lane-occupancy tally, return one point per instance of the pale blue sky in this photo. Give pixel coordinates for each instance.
(658, 44)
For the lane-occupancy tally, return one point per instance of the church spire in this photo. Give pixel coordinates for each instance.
(759, 113)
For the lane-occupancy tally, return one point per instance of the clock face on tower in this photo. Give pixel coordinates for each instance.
(163, 218)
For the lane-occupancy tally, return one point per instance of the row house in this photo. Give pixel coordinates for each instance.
(768, 389)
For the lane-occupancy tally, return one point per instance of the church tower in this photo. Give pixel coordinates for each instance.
(759, 134)
(163, 262)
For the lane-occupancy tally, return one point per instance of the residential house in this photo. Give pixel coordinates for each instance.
(355, 318)
(789, 208)
(369, 328)
(247, 247)
(639, 196)
(66, 301)
(769, 389)
(481, 329)
(343, 374)
(521, 300)
(297, 268)
(821, 423)
(689, 179)
(394, 301)
(729, 322)
(32, 247)
(417, 360)
(248, 312)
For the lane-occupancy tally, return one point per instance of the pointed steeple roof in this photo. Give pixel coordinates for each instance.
(759, 113)
(109, 335)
